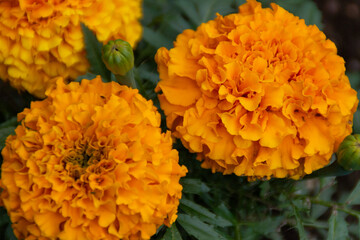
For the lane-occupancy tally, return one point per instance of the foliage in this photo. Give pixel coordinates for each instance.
(227, 207)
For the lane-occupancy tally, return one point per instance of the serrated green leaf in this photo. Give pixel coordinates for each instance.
(93, 54)
(197, 228)
(172, 233)
(337, 227)
(202, 213)
(299, 223)
(194, 186)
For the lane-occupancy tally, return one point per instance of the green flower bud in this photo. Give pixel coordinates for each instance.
(348, 154)
(118, 57)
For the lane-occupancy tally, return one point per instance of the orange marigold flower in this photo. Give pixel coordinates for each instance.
(40, 40)
(257, 93)
(90, 162)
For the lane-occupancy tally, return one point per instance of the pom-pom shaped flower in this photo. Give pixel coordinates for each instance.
(40, 40)
(257, 93)
(90, 162)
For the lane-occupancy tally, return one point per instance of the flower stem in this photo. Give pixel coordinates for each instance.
(237, 232)
(335, 205)
(128, 79)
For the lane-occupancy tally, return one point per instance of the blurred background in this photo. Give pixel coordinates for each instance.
(341, 21)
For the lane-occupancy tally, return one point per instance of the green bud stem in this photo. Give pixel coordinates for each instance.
(128, 79)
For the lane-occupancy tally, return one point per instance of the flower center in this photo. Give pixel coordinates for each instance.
(81, 157)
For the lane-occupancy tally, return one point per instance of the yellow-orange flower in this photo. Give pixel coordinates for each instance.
(40, 40)
(90, 162)
(257, 93)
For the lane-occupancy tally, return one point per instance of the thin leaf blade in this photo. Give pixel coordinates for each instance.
(194, 186)
(93, 54)
(198, 229)
(203, 214)
(337, 227)
(299, 224)
(172, 233)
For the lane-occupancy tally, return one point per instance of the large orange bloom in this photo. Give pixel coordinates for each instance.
(90, 162)
(257, 93)
(42, 39)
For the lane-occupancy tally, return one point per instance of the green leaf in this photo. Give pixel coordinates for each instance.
(195, 227)
(144, 73)
(356, 122)
(224, 212)
(299, 223)
(7, 128)
(358, 227)
(354, 78)
(10, 122)
(331, 170)
(178, 23)
(202, 213)
(87, 75)
(156, 38)
(93, 54)
(354, 196)
(172, 233)
(305, 9)
(337, 227)
(4, 218)
(262, 228)
(200, 11)
(189, 9)
(317, 210)
(310, 13)
(9, 233)
(239, 2)
(194, 186)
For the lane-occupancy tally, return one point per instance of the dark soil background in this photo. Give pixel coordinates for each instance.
(341, 19)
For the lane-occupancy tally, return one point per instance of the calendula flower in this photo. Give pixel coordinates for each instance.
(90, 162)
(257, 93)
(40, 40)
